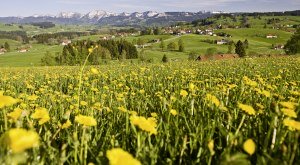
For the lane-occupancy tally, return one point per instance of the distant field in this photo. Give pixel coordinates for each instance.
(256, 35)
(30, 58)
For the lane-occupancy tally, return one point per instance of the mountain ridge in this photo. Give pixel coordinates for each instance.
(101, 17)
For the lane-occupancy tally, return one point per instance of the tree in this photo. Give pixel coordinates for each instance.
(6, 46)
(165, 59)
(142, 55)
(157, 31)
(141, 42)
(162, 44)
(230, 48)
(246, 44)
(123, 55)
(181, 45)
(48, 59)
(172, 46)
(293, 44)
(240, 49)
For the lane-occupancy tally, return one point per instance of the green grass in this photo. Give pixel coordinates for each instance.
(256, 36)
(30, 58)
(175, 113)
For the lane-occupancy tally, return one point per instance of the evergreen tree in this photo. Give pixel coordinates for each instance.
(181, 45)
(48, 59)
(162, 44)
(123, 55)
(293, 44)
(230, 48)
(157, 31)
(6, 46)
(246, 44)
(240, 49)
(172, 46)
(165, 59)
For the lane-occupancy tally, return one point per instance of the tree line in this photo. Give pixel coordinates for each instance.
(43, 25)
(20, 36)
(47, 38)
(76, 53)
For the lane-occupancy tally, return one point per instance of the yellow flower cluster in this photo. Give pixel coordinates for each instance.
(85, 120)
(212, 99)
(41, 114)
(289, 109)
(118, 156)
(7, 101)
(247, 108)
(183, 93)
(18, 139)
(66, 125)
(148, 125)
(15, 115)
(292, 124)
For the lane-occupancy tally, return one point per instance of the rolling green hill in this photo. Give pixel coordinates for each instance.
(281, 26)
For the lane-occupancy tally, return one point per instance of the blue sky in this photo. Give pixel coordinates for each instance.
(30, 7)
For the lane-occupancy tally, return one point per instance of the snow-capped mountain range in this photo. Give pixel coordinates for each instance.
(100, 17)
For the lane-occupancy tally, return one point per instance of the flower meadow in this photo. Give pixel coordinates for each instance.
(243, 111)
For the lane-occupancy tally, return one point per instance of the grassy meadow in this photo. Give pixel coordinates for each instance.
(133, 112)
(243, 111)
(256, 36)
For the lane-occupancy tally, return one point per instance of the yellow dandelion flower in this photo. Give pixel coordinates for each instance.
(289, 112)
(213, 99)
(173, 112)
(122, 109)
(91, 50)
(292, 124)
(32, 98)
(249, 82)
(266, 93)
(211, 147)
(18, 139)
(7, 101)
(154, 114)
(247, 108)
(289, 105)
(132, 112)
(85, 120)
(191, 87)
(66, 125)
(15, 115)
(94, 71)
(231, 86)
(295, 93)
(183, 93)
(249, 146)
(83, 103)
(223, 108)
(148, 125)
(118, 156)
(260, 106)
(142, 91)
(97, 106)
(41, 114)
